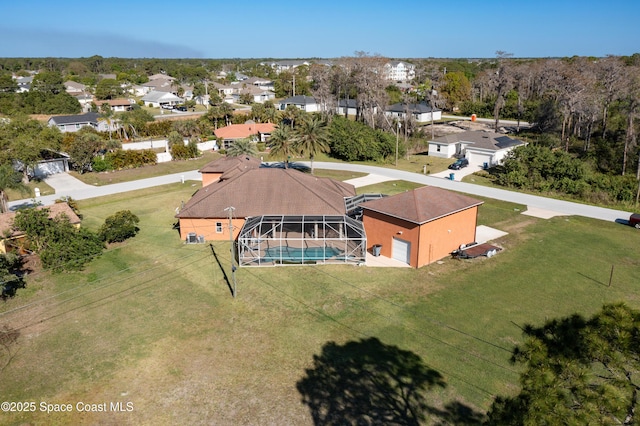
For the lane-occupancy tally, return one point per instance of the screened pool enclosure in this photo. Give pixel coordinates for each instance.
(281, 240)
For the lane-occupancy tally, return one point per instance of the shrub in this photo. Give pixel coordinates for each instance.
(72, 252)
(354, 141)
(119, 227)
(129, 159)
(101, 164)
(180, 151)
(61, 246)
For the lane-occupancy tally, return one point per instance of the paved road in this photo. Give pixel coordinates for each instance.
(66, 185)
(563, 207)
(502, 123)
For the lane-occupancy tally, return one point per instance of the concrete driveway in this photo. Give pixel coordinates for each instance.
(458, 174)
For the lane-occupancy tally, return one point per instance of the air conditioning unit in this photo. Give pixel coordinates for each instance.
(191, 238)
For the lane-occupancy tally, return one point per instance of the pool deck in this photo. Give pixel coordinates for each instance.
(384, 262)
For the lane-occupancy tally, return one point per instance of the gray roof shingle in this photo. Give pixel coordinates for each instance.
(89, 117)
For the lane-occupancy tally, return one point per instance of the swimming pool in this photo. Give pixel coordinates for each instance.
(295, 254)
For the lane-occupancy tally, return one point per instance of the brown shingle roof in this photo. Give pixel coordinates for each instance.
(268, 191)
(6, 219)
(225, 164)
(113, 102)
(422, 204)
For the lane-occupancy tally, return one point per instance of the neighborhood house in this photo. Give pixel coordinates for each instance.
(479, 147)
(14, 239)
(279, 216)
(259, 132)
(73, 123)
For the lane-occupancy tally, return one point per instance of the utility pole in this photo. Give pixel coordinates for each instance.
(397, 136)
(433, 93)
(206, 92)
(233, 256)
(294, 82)
(638, 178)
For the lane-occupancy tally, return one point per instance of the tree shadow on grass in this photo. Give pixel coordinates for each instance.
(366, 382)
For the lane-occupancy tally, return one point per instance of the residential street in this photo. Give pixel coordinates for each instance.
(534, 201)
(66, 185)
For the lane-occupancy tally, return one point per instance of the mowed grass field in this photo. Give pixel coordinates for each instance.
(152, 322)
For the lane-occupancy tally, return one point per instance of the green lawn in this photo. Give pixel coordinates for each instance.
(160, 169)
(152, 321)
(417, 163)
(45, 189)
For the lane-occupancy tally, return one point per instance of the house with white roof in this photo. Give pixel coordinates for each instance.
(257, 95)
(74, 88)
(157, 99)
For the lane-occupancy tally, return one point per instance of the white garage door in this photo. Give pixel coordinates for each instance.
(478, 159)
(401, 250)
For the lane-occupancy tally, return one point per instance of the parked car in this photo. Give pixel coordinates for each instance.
(634, 220)
(167, 106)
(181, 108)
(459, 164)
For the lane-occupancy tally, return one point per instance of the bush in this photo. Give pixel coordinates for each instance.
(354, 141)
(10, 272)
(539, 168)
(119, 227)
(61, 246)
(101, 164)
(180, 151)
(129, 159)
(73, 252)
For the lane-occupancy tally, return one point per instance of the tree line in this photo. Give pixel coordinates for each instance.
(584, 106)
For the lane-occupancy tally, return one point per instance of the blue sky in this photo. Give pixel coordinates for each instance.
(327, 29)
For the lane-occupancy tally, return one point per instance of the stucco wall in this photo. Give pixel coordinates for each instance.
(442, 236)
(430, 242)
(381, 229)
(207, 228)
(446, 150)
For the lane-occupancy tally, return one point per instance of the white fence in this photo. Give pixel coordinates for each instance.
(164, 157)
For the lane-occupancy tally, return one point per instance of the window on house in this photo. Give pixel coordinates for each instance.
(438, 148)
(219, 227)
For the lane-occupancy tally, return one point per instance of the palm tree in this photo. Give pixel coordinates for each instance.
(291, 114)
(226, 111)
(270, 112)
(9, 179)
(281, 144)
(125, 130)
(242, 147)
(107, 116)
(311, 137)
